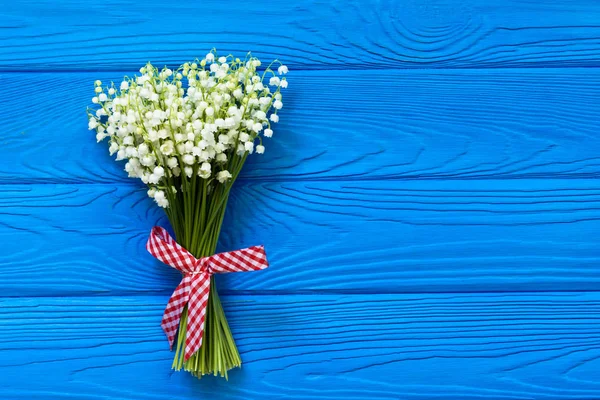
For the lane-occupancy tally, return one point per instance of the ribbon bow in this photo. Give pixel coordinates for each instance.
(194, 288)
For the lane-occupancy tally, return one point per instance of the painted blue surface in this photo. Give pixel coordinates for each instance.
(429, 203)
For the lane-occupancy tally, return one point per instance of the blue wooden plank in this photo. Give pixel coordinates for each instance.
(70, 35)
(472, 346)
(391, 124)
(419, 236)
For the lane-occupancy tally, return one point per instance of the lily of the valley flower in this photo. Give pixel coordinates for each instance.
(194, 120)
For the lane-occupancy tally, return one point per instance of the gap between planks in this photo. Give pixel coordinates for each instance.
(266, 293)
(134, 183)
(319, 68)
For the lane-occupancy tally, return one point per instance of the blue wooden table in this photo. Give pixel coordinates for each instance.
(430, 203)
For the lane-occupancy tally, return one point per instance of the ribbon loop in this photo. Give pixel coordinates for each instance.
(194, 288)
(162, 246)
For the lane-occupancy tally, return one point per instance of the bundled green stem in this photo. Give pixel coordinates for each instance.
(218, 353)
(196, 214)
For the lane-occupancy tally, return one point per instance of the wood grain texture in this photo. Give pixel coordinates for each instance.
(344, 125)
(429, 204)
(70, 35)
(365, 236)
(459, 347)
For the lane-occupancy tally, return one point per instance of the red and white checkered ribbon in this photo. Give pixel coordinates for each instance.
(195, 285)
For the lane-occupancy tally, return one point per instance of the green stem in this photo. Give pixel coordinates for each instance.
(218, 352)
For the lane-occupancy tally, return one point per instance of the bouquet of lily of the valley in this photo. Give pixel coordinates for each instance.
(186, 134)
